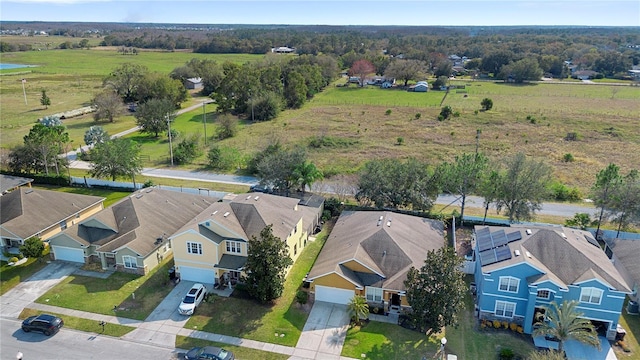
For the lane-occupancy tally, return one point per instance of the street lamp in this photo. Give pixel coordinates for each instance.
(170, 144)
(443, 342)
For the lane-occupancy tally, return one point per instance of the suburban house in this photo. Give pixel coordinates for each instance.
(369, 253)
(28, 212)
(521, 269)
(133, 234)
(584, 74)
(9, 183)
(420, 86)
(625, 255)
(283, 50)
(193, 83)
(212, 248)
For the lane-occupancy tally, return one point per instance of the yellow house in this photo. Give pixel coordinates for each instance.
(212, 249)
(369, 253)
(27, 212)
(133, 234)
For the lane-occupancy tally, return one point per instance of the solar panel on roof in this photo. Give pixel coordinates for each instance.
(483, 238)
(514, 236)
(503, 253)
(488, 257)
(499, 238)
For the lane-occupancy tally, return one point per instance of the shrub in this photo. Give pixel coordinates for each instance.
(486, 104)
(513, 327)
(148, 183)
(505, 324)
(187, 150)
(418, 115)
(302, 297)
(13, 259)
(445, 113)
(400, 140)
(456, 114)
(520, 330)
(506, 354)
(388, 112)
(33, 247)
(568, 157)
(488, 323)
(561, 192)
(531, 119)
(496, 324)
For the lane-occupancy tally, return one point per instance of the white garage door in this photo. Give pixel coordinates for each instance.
(68, 254)
(204, 276)
(333, 295)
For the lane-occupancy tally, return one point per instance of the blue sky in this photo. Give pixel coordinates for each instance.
(345, 12)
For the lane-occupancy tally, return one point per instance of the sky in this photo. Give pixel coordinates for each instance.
(330, 12)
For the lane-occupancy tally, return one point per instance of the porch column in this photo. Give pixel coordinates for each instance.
(103, 261)
(531, 310)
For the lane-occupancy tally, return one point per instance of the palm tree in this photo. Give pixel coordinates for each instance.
(306, 174)
(564, 322)
(358, 308)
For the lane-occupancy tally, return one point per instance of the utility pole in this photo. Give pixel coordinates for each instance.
(170, 144)
(204, 121)
(478, 131)
(24, 92)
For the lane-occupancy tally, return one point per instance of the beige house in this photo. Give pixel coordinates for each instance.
(212, 249)
(133, 234)
(369, 253)
(27, 212)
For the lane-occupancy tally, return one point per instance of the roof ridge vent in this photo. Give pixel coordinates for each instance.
(528, 254)
(528, 231)
(389, 223)
(215, 212)
(516, 252)
(257, 197)
(248, 197)
(226, 214)
(563, 235)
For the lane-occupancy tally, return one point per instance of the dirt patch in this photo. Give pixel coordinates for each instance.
(463, 240)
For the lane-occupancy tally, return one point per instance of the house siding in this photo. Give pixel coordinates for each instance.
(140, 269)
(211, 254)
(356, 266)
(333, 280)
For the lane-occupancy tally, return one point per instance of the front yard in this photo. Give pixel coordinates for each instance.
(631, 323)
(102, 295)
(186, 343)
(248, 319)
(87, 325)
(12, 275)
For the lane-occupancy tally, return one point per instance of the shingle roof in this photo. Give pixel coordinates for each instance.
(138, 220)
(567, 256)
(385, 242)
(627, 252)
(8, 182)
(26, 212)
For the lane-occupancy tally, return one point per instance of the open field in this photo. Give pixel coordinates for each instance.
(46, 42)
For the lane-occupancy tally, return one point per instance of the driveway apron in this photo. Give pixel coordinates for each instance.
(324, 332)
(27, 291)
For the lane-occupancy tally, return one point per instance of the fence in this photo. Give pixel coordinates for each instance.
(91, 182)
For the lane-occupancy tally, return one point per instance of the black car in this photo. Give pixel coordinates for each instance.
(209, 353)
(45, 323)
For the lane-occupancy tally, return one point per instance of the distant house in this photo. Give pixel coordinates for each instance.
(283, 50)
(420, 86)
(369, 253)
(30, 212)
(193, 83)
(635, 72)
(521, 270)
(584, 74)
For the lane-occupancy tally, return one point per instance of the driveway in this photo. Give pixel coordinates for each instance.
(27, 291)
(164, 322)
(324, 333)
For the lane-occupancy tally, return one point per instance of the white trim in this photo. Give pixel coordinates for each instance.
(124, 263)
(591, 295)
(375, 293)
(504, 310)
(333, 272)
(189, 245)
(509, 279)
(516, 264)
(598, 310)
(188, 231)
(182, 262)
(356, 260)
(239, 236)
(505, 296)
(615, 297)
(544, 298)
(236, 244)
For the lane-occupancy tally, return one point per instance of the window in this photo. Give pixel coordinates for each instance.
(374, 294)
(509, 284)
(505, 309)
(591, 295)
(129, 262)
(295, 249)
(194, 248)
(233, 247)
(543, 294)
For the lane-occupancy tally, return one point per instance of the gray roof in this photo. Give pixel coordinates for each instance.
(627, 253)
(26, 212)
(8, 182)
(139, 220)
(565, 256)
(387, 243)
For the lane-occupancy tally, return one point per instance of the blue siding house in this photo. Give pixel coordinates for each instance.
(521, 269)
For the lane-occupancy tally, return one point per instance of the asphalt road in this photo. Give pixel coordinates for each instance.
(71, 344)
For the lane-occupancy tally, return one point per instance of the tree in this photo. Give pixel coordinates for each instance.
(47, 143)
(362, 68)
(580, 220)
(295, 90)
(494, 61)
(95, 135)
(125, 80)
(154, 85)
(358, 308)
(486, 104)
(108, 106)
(489, 189)
(445, 113)
(44, 99)
(23, 158)
(306, 174)
(564, 323)
(463, 177)
(522, 187)
(265, 107)
(187, 149)
(152, 116)
(51, 121)
(267, 261)
(436, 291)
(115, 158)
(227, 126)
(440, 82)
(278, 168)
(521, 70)
(607, 181)
(32, 247)
(443, 68)
(625, 202)
(405, 70)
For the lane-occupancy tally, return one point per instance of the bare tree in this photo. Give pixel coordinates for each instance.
(361, 69)
(109, 106)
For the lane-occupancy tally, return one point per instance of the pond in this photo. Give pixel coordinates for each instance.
(13, 66)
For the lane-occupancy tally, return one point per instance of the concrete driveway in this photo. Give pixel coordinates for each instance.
(27, 291)
(162, 325)
(324, 333)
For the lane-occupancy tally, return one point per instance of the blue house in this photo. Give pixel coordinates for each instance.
(521, 269)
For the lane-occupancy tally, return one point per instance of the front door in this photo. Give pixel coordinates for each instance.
(395, 300)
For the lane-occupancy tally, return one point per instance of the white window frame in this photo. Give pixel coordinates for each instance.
(589, 293)
(194, 248)
(132, 261)
(502, 307)
(109, 255)
(542, 297)
(508, 284)
(234, 247)
(374, 294)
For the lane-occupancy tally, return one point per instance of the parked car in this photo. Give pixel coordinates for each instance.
(193, 298)
(209, 353)
(267, 189)
(45, 323)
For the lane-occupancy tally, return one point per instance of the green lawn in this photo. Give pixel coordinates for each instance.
(10, 276)
(101, 295)
(241, 353)
(245, 318)
(388, 341)
(87, 325)
(631, 323)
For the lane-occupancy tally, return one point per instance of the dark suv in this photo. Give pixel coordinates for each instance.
(45, 323)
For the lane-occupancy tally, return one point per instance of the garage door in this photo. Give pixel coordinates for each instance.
(68, 254)
(333, 295)
(204, 276)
